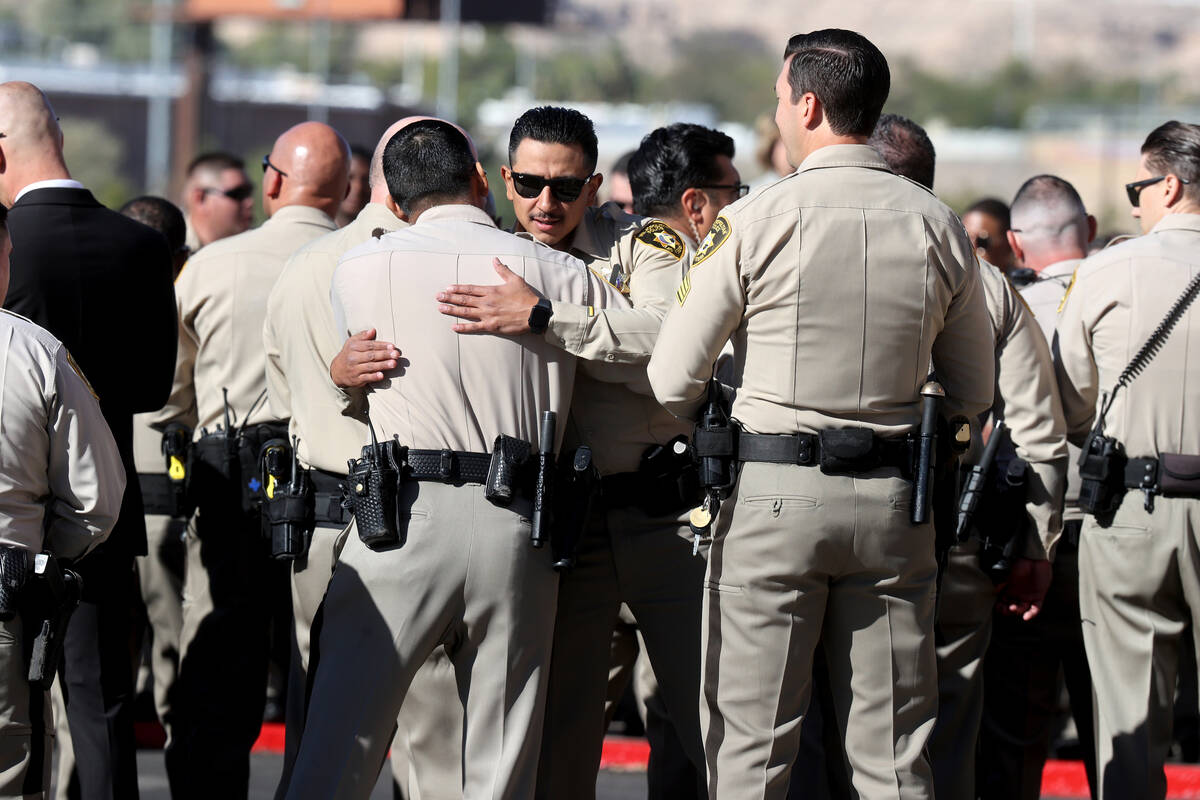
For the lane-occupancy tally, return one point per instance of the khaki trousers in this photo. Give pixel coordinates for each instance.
(964, 626)
(427, 749)
(646, 563)
(1139, 585)
(466, 578)
(160, 578)
(26, 723)
(797, 556)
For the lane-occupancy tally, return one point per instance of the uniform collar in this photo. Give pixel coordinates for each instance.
(587, 234)
(844, 155)
(1178, 222)
(456, 211)
(304, 215)
(1059, 269)
(54, 183)
(378, 215)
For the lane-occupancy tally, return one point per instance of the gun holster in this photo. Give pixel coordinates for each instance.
(1101, 475)
(373, 493)
(177, 451)
(578, 483)
(50, 597)
(1001, 523)
(225, 469)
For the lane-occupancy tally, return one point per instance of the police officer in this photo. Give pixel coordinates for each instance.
(1027, 402)
(61, 484)
(1050, 234)
(301, 340)
(220, 392)
(838, 284)
(638, 549)
(462, 573)
(1139, 568)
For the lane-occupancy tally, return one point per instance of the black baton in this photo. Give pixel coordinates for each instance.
(931, 395)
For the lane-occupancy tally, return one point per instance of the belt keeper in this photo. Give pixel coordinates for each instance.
(446, 464)
(804, 451)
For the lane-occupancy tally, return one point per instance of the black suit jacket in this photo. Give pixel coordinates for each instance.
(102, 283)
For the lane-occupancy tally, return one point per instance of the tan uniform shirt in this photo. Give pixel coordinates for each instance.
(1120, 296)
(1027, 400)
(614, 411)
(222, 296)
(61, 479)
(1044, 296)
(451, 390)
(301, 340)
(837, 284)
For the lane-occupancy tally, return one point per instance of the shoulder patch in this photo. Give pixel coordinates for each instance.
(79, 372)
(716, 237)
(1067, 293)
(661, 235)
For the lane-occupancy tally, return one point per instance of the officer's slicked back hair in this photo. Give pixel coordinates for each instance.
(160, 214)
(427, 162)
(1174, 147)
(554, 125)
(215, 161)
(846, 72)
(672, 159)
(905, 147)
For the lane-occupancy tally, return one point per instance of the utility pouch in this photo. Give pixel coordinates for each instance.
(52, 596)
(15, 566)
(847, 451)
(1179, 475)
(508, 470)
(374, 483)
(1101, 475)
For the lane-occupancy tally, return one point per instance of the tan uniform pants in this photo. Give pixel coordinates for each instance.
(1139, 584)
(799, 555)
(467, 578)
(160, 577)
(427, 749)
(964, 626)
(26, 723)
(647, 563)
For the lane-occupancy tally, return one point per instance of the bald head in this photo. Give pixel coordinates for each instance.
(1049, 222)
(379, 190)
(310, 166)
(31, 147)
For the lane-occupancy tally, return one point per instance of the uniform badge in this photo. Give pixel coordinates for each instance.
(716, 237)
(684, 288)
(659, 234)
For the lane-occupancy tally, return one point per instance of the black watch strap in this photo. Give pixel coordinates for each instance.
(539, 316)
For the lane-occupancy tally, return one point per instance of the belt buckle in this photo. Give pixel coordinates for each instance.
(445, 464)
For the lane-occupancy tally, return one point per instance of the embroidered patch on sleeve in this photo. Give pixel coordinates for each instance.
(717, 236)
(660, 235)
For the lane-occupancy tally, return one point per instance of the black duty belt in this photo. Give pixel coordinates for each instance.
(804, 449)
(446, 466)
(1170, 474)
(157, 495)
(327, 498)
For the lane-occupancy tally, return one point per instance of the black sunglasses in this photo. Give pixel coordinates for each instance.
(565, 190)
(237, 194)
(1134, 190)
(741, 188)
(267, 163)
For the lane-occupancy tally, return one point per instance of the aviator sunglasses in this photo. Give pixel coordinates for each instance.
(565, 190)
(237, 194)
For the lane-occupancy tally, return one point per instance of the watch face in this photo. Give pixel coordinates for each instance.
(539, 316)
